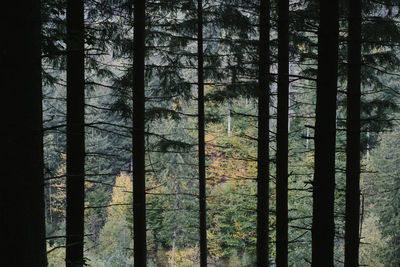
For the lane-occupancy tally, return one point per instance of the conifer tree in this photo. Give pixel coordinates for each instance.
(263, 137)
(353, 147)
(201, 148)
(282, 136)
(75, 134)
(323, 227)
(138, 129)
(22, 221)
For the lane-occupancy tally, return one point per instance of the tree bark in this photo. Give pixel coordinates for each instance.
(263, 138)
(323, 226)
(282, 136)
(22, 217)
(201, 148)
(352, 238)
(138, 142)
(75, 134)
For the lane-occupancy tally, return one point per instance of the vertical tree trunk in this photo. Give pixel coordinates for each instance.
(50, 211)
(323, 226)
(202, 161)
(289, 111)
(176, 226)
(263, 138)
(228, 117)
(352, 237)
(22, 217)
(75, 133)
(282, 136)
(138, 142)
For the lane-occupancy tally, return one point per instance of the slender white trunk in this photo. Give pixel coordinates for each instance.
(50, 213)
(174, 235)
(289, 111)
(131, 165)
(229, 119)
(368, 132)
(368, 137)
(173, 248)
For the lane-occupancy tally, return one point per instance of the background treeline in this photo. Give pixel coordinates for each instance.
(200, 132)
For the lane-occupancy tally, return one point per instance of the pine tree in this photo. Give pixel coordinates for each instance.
(323, 227)
(22, 221)
(282, 136)
(138, 140)
(263, 138)
(75, 134)
(353, 146)
(202, 160)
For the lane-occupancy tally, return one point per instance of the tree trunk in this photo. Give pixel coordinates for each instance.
(323, 226)
(138, 141)
(352, 237)
(228, 117)
(50, 212)
(282, 136)
(202, 163)
(176, 226)
(75, 134)
(22, 217)
(263, 138)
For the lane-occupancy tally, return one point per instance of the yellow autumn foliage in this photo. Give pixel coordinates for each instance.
(121, 195)
(58, 190)
(187, 257)
(225, 167)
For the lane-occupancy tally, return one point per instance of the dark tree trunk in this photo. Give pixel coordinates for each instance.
(282, 136)
(323, 226)
(138, 142)
(263, 138)
(75, 133)
(352, 237)
(22, 221)
(202, 164)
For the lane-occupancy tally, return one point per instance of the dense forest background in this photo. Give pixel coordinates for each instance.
(187, 133)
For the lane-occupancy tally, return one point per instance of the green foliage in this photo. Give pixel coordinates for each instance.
(232, 219)
(385, 161)
(372, 244)
(115, 241)
(171, 156)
